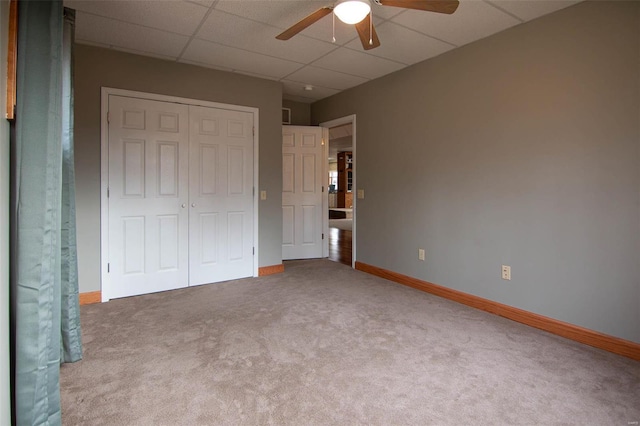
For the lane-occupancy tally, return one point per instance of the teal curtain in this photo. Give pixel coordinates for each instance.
(45, 299)
(71, 343)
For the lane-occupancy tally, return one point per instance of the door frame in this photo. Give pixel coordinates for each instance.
(105, 92)
(335, 123)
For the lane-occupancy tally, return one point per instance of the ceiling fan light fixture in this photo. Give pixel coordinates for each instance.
(352, 11)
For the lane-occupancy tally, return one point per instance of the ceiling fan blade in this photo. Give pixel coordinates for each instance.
(311, 19)
(439, 6)
(363, 31)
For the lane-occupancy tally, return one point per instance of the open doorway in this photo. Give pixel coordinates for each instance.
(341, 183)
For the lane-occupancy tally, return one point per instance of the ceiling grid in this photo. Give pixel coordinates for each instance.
(239, 36)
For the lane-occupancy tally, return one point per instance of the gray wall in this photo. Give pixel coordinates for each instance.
(5, 405)
(96, 67)
(300, 112)
(520, 149)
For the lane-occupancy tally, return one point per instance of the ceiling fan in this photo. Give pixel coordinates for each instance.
(358, 13)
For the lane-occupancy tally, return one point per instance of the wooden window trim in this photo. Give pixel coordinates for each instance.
(12, 54)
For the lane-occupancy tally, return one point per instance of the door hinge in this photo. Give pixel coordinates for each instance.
(253, 130)
(107, 192)
(322, 188)
(254, 251)
(323, 235)
(254, 191)
(108, 117)
(108, 268)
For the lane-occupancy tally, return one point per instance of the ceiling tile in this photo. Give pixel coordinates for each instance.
(239, 36)
(325, 78)
(385, 12)
(122, 49)
(122, 35)
(323, 30)
(529, 9)
(237, 59)
(284, 14)
(472, 21)
(257, 75)
(357, 63)
(172, 16)
(297, 89)
(231, 30)
(137, 52)
(202, 64)
(281, 14)
(206, 3)
(404, 45)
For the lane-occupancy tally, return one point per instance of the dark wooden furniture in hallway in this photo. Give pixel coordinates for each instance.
(340, 245)
(345, 179)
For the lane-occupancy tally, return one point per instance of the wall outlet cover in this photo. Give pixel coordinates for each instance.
(506, 272)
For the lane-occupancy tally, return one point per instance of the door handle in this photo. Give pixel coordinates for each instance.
(184, 205)
(193, 204)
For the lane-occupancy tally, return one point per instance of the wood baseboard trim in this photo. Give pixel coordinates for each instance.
(90, 297)
(579, 334)
(96, 296)
(270, 270)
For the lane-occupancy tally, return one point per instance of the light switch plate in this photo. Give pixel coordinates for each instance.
(360, 194)
(263, 195)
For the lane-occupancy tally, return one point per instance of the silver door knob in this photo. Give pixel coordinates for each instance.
(184, 205)
(193, 204)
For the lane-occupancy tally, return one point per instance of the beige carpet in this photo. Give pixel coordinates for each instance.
(322, 344)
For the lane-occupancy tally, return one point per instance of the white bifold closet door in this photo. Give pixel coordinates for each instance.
(180, 195)
(221, 195)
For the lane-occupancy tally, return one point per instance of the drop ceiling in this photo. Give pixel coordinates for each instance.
(239, 36)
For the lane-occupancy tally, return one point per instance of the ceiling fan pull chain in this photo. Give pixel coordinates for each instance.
(333, 15)
(370, 29)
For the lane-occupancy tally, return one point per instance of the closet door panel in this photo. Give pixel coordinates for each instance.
(221, 187)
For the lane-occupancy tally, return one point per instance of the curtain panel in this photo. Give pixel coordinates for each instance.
(71, 342)
(44, 283)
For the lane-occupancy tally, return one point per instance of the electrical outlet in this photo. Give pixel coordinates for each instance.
(506, 272)
(420, 254)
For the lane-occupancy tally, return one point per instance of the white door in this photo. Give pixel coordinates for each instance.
(148, 196)
(180, 195)
(220, 195)
(303, 196)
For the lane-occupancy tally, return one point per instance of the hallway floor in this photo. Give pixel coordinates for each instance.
(340, 241)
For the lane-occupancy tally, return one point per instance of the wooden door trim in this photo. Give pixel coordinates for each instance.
(12, 60)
